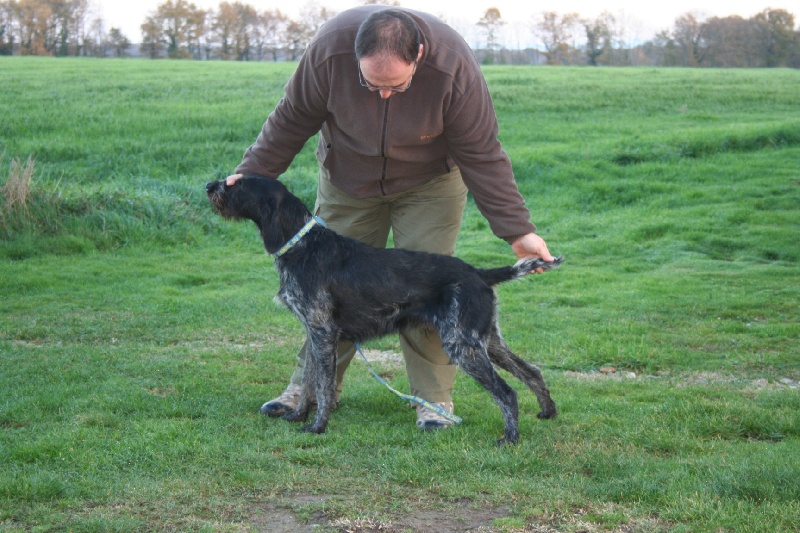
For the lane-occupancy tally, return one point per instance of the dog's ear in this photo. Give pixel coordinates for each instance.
(272, 230)
(282, 215)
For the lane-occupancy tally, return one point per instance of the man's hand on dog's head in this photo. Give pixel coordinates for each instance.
(230, 180)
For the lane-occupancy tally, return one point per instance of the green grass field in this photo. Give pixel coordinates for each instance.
(138, 335)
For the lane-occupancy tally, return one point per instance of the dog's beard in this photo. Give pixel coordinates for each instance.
(217, 199)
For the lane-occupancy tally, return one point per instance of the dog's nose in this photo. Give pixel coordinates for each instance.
(210, 186)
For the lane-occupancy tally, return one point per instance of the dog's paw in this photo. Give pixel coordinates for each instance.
(549, 414)
(312, 428)
(506, 441)
(296, 416)
(509, 438)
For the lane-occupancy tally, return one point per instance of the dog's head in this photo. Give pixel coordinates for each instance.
(266, 201)
(247, 198)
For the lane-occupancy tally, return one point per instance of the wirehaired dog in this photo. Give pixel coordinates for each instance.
(341, 288)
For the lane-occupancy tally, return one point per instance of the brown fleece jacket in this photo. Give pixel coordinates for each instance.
(374, 147)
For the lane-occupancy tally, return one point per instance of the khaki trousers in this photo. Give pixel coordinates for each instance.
(428, 219)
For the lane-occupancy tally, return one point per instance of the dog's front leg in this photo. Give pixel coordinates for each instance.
(309, 392)
(321, 359)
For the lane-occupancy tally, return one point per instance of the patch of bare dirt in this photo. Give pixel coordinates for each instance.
(386, 358)
(279, 518)
(695, 378)
(746, 383)
(605, 373)
(462, 517)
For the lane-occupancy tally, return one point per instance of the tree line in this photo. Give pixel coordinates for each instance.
(238, 31)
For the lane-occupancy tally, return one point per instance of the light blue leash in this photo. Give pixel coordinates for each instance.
(416, 399)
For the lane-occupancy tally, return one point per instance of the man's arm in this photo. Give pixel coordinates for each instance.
(298, 116)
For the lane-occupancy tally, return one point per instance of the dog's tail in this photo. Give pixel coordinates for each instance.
(523, 267)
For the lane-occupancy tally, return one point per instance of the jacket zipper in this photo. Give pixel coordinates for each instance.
(383, 145)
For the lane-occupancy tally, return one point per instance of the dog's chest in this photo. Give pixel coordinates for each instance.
(292, 295)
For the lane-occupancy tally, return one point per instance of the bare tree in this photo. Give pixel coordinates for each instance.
(223, 28)
(296, 36)
(118, 43)
(236, 30)
(688, 35)
(727, 42)
(795, 60)
(246, 31)
(298, 33)
(95, 40)
(34, 27)
(599, 39)
(660, 51)
(557, 33)
(152, 45)
(7, 27)
(48, 27)
(69, 19)
(271, 27)
(179, 25)
(491, 23)
(313, 16)
(774, 36)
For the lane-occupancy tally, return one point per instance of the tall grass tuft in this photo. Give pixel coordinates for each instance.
(18, 185)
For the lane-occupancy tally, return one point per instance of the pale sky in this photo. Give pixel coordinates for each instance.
(641, 19)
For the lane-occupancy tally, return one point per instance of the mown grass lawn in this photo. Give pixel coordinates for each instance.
(138, 335)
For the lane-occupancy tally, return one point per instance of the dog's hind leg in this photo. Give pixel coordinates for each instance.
(470, 355)
(502, 356)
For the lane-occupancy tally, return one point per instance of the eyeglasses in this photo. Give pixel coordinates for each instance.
(376, 88)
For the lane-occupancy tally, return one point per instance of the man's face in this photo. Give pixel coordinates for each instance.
(387, 76)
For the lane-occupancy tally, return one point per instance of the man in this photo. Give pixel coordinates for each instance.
(406, 126)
